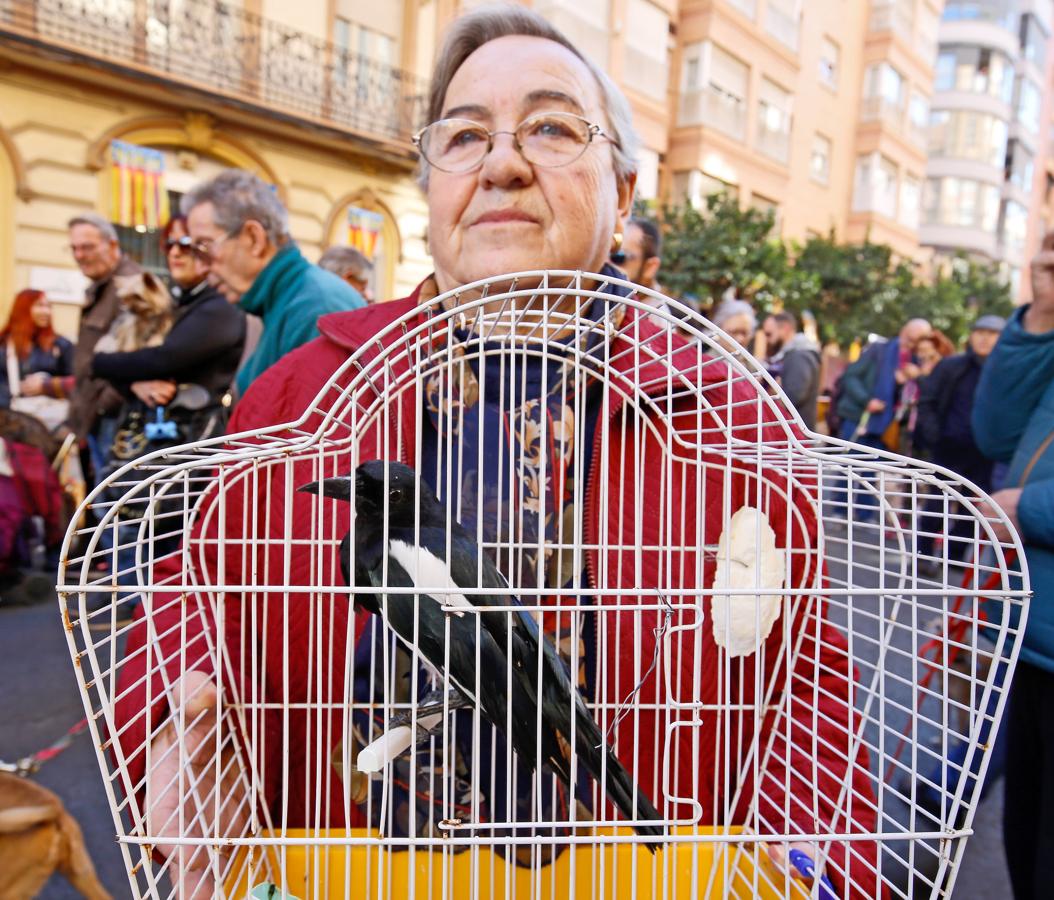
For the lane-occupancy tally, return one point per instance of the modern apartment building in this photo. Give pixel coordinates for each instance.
(816, 108)
(988, 144)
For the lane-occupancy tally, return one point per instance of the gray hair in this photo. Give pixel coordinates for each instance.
(485, 24)
(238, 197)
(341, 260)
(103, 226)
(730, 307)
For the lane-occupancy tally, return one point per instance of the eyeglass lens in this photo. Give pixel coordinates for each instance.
(549, 139)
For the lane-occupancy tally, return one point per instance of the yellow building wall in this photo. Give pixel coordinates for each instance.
(61, 130)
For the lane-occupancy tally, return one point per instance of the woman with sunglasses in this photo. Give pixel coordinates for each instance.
(203, 348)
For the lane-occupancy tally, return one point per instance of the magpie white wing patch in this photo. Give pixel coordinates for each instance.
(747, 558)
(430, 574)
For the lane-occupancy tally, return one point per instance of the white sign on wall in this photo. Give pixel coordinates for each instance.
(61, 285)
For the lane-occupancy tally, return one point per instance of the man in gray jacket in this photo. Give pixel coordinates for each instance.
(93, 243)
(794, 361)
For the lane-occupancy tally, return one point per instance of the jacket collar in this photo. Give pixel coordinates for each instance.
(125, 266)
(662, 350)
(273, 281)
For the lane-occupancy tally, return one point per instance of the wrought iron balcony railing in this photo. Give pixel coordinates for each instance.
(228, 52)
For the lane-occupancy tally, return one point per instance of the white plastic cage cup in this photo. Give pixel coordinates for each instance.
(652, 636)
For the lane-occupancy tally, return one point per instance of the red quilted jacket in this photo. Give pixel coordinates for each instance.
(808, 770)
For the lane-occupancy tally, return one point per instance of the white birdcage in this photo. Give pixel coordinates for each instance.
(789, 642)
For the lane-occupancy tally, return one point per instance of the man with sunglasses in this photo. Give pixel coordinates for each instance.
(240, 230)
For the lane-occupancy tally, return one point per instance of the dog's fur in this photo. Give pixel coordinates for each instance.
(37, 838)
(145, 317)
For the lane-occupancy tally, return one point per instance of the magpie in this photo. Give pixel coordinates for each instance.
(420, 551)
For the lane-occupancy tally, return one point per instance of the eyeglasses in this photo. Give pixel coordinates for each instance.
(207, 249)
(621, 257)
(83, 248)
(549, 140)
(185, 243)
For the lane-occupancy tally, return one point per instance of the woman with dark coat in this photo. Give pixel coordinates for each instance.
(203, 348)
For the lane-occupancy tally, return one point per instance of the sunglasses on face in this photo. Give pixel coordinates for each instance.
(185, 244)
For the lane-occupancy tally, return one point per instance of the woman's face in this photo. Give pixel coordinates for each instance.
(741, 328)
(927, 354)
(510, 216)
(40, 313)
(186, 268)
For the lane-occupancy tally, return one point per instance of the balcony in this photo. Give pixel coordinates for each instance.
(892, 17)
(881, 109)
(713, 108)
(228, 53)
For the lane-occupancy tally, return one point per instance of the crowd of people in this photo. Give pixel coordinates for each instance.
(160, 358)
(163, 360)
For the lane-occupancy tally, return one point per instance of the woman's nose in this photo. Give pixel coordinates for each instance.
(504, 165)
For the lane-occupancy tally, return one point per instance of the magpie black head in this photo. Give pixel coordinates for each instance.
(372, 499)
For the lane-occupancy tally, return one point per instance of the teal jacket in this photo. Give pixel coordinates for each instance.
(289, 295)
(1013, 415)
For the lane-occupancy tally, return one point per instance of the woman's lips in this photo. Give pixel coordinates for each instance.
(504, 217)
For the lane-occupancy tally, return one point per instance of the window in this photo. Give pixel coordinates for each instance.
(1020, 166)
(1029, 104)
(749, 8)
(820, 161)
(883, 92)
(765, 205)
(910, 197)
(1033, 40)
(647, 174)
(999, 12)
(927, 25)
(647, 31)
(961, 202)
(782, 18)
(918, 116)
(586, 23)
(875, 185)
(714, 90)
(774, 120)
(829, 63)
(960, 134)
(977, 70)
(1013, 228)
(695, 186)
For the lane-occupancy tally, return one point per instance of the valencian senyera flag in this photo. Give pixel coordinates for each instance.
(138, 198)
(364, 230)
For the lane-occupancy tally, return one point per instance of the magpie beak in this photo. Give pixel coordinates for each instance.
(339, 488)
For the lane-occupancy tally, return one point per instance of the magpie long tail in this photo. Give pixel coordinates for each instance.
(593, 750)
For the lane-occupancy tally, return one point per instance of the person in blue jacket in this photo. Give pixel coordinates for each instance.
(1013, 423)
(240, 227)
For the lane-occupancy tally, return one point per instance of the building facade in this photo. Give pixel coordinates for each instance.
(120, 108)
(988, 144)
(816, 109)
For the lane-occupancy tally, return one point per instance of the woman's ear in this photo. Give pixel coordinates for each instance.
(626, 188)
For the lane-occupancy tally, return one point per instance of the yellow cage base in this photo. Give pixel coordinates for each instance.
(683, 871)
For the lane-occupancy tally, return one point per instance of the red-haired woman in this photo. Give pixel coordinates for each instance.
(43, 359)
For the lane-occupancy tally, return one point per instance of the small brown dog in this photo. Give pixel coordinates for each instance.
(145, 317)
(38, 837)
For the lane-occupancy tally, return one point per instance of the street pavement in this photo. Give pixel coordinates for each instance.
(40, 701)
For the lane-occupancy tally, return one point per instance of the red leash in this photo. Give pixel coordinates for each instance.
(30, 765)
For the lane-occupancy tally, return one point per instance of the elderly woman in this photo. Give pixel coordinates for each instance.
(527, 164)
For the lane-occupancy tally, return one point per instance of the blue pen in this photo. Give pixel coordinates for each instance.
(807, 868)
